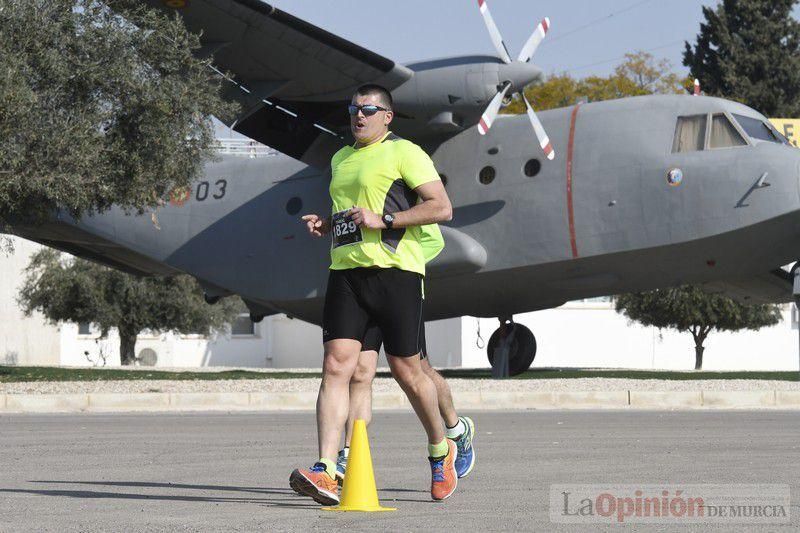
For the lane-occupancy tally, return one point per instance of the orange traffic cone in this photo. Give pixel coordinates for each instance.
(359, 492)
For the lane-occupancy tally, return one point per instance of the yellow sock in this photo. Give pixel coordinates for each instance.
(330, 467)
(438, 450)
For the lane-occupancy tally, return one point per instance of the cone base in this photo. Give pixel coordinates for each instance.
(359, 508)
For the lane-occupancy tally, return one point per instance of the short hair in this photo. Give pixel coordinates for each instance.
(384, 95)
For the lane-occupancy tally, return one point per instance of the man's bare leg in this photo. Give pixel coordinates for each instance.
(333, 401)
(421, 393)
(446, 407)
(361, 392)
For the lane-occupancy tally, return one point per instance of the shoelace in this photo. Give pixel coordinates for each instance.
(318, 467)
(437, 469)
(465, 442)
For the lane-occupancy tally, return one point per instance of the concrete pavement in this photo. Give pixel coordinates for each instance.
(471, 400)
(211, 471)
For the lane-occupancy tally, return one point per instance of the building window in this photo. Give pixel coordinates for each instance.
(84, 328)
(242, 325)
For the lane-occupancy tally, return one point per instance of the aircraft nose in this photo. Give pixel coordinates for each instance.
(519, 74)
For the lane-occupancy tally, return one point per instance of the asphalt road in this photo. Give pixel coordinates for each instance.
(228, 472)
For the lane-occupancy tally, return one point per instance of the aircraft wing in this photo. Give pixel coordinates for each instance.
(292, 78)
(771, 287)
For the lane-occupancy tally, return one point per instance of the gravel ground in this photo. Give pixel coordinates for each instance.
(388, 384)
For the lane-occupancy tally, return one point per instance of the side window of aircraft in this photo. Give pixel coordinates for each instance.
(486, 175)
(723, 133)
(690, 134)
(756, 129)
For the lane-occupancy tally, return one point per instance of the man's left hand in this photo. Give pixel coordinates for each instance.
(366, 218)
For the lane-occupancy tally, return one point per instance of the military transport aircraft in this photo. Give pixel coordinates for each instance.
(639, 193)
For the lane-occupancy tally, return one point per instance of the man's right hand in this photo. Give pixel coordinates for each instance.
(317, 226)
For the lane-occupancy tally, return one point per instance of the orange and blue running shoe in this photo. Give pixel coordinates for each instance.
(444, 478)
(341, 467)
(316, 484)
(466, 453)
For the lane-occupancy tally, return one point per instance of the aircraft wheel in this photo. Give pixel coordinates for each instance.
(256, 318)
(514, 342)
(211, 300)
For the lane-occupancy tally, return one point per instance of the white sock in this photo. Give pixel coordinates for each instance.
(457, 430)
(345, 451)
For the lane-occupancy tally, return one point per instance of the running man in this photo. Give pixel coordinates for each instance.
(383, 189)
(459, 429)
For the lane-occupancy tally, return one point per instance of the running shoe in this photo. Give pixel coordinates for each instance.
(341, 466)
(316, 484)
(466, 453)
(443, 473)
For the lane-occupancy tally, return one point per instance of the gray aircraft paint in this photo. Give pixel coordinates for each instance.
(512, 243)
(516, 244)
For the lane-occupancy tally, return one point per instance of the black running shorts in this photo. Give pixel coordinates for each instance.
(389, 299)
(373, 340)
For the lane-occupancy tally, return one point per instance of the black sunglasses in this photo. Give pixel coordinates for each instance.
(368, 109)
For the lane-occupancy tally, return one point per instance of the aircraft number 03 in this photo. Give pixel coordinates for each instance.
(216, 190)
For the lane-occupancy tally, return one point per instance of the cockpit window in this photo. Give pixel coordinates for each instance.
(690, 134)
(757, 129)
(723, 133)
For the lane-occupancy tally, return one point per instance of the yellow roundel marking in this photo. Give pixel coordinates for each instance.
(178, 197)
(175, 4)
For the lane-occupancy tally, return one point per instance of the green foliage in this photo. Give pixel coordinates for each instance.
(691, 309)
(639, 74)
(76, 290)
(749, 50)
(16, 374)
(97, 109)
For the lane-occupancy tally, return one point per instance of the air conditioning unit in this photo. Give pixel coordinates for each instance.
(147, 357)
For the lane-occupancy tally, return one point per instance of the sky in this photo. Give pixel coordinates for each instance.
(587, 37)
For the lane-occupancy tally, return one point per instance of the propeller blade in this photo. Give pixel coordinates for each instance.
(494, 33)
(491, 110)
(533, 41)
(538, 129)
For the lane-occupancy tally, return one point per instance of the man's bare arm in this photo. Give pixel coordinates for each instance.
(317, 225)
(435, 207)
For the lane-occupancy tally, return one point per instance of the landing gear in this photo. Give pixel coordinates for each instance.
(511, 349)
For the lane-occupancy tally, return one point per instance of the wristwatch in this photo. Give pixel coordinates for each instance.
(388, 219)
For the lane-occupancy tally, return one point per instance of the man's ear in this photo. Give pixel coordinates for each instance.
(389, 115)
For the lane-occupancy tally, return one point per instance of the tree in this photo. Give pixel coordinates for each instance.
(639, 74)
(691, 309)
(749, 50)
(70, 289)
(99, 109)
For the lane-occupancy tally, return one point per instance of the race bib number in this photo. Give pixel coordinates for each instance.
(344, 230)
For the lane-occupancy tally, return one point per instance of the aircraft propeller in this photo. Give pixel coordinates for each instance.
(518, 70)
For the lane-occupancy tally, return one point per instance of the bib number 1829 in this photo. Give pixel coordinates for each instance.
(344, 230)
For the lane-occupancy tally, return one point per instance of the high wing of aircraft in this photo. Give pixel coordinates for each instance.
(617, 196)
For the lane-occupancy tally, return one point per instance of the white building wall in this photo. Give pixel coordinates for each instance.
(578, 334)
(173, 350)
(589, 334)
(23, 340)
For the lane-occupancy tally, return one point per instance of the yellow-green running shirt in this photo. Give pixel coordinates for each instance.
(381, 177)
